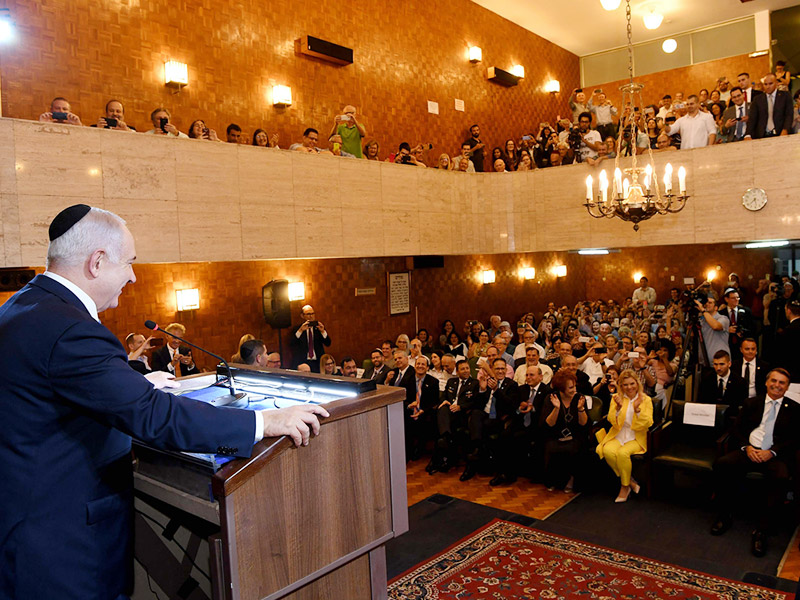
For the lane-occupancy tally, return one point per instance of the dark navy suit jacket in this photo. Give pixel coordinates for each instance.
(70, 403)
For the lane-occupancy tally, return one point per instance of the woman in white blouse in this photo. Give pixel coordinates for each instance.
(630, 415)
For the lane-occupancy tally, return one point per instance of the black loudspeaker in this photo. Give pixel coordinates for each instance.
(429, 262)
(12, 280)
(502, 77)
(325, 50)
(275, 302)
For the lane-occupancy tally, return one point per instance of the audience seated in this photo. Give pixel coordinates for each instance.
(377, 370)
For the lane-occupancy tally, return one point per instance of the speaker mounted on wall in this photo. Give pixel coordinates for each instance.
(328, 51)
(275, 304)
(12, 280)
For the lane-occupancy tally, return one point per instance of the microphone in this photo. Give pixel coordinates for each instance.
(237, 396)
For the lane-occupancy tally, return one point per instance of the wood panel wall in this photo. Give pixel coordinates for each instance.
(406, 53)
(231, 291)
(691, 79)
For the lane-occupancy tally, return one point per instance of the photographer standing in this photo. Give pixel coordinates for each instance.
(351, 131)
(590, 139)
(309, 340)
(714, 327)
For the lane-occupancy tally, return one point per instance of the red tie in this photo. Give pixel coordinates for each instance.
(310, 343)
(733, 316)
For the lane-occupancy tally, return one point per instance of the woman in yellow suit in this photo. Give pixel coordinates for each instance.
(630, 415)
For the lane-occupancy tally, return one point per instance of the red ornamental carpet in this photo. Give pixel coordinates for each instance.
(506, 561)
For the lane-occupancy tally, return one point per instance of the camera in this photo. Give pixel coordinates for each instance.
(405, 159)
(60, 116)
(575, 139)
(688, 305)
(163, 123)
(110, 123)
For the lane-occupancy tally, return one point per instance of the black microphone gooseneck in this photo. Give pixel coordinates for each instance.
(154, 326)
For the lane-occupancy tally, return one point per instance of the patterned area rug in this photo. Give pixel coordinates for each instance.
(505, 560)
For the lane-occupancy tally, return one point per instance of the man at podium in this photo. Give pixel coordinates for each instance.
(70, 405)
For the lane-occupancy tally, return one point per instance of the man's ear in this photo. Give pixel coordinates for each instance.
(96, 260)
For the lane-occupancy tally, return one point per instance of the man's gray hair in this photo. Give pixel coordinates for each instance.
(98, 230)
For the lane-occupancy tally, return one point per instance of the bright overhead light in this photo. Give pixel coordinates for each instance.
(593, 251)
(6, 29)
(669, 46)
(610, 4)
(488, 276)
(653, 20)
(772, 244)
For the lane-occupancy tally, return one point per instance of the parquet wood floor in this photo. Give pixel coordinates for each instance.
(791, 566)
(522, 497)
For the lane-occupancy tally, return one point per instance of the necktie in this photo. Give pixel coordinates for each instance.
(720, 388)
(310, 343)
(526, 421)
(458, 389)
(419, 388)
(733, 317)
(398, 378)
(770, 109)
(769, 425)
(740, 123)
(747, 377)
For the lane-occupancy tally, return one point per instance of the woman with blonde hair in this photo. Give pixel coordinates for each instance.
(402, 342)
(327, 365)
(631, 415)
(237, 358)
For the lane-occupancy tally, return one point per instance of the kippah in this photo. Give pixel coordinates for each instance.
(66, 219)
(729, 291)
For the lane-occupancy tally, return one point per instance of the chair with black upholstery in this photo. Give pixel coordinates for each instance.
(677, 445)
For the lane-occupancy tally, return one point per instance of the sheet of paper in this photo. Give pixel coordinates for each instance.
(695, 413)
(793, 392)
(433, 107)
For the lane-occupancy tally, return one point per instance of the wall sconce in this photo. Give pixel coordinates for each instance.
(475, 54)
(518, 71)
(488, 276)
(711, 275)
(560, 270)
(529, 273)
(281, 95)
(502, 77)
(553, 86)
(6, 26)
(176, 73)
(188, 299)
(637, 276)
(297, 291)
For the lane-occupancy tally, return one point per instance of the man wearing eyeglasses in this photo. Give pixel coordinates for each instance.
(309, 340)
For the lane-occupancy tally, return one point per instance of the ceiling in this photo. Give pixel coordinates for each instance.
(584, 27)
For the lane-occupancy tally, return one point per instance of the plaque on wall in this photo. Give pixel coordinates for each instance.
(399, 290)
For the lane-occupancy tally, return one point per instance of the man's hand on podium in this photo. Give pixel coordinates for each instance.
(294, 421)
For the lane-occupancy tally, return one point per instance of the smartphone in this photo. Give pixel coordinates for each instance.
(205, 131)
(110, 122)
(585, 340)
(336, 146)
(633, 355)
(344, 117)
(185, 350)
(313, 323)
(579, 90)
(60, 116)
(527, 138)
(156, 342)
(522, 325)
(163, 123)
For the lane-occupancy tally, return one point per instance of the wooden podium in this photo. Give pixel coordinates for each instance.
(303, 523)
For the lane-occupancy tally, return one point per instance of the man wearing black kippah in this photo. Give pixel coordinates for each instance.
(70, 406)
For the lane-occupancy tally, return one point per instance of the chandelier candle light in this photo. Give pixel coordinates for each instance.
(629, 199)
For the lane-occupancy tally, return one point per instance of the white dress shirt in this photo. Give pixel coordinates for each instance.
(626, 433)
(764, 428)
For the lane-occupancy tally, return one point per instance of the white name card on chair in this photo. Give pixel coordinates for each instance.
(793, 393)
(695, 413)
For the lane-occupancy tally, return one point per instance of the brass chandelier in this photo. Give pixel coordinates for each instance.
(629, 199)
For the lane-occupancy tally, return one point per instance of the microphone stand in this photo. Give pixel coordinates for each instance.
(155, 327)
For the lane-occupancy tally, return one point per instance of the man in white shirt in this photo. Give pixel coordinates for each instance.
(697, 129)
(590, 138)
(528, 339)
(644, 294)
(752, 369)
(532, 360)
(764, 441)
(594, 363)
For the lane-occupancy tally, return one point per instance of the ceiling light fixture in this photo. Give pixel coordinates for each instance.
(652, 20)
(593, 251)
(772, 244)
(669, 46)
(610, 4)
(630, 200)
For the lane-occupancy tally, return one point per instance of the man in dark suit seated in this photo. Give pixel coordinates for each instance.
(751, 369)
(722, 385)
(584, 385)
(771, 112)
(741, 319)
(70, 406)
(420, 411)
(173, 357)
(460, 394)
(498, 395)
(788, 342)
(309, 340)
(378, 369)
(765, 440)
(402, 374)
(137, 346)
(520, 431)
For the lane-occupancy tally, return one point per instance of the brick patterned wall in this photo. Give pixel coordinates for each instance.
(691, 79)
(231, 291)
(91, 50)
